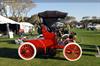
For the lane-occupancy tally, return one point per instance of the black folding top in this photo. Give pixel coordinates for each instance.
(51, 17)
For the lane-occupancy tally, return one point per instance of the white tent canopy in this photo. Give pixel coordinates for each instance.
(7, 21)
(26, 23)
(4, 20)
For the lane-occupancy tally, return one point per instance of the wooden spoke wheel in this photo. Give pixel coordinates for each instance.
(27, 51)
(72, 51)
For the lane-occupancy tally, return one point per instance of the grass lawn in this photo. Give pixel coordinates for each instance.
(89, 39)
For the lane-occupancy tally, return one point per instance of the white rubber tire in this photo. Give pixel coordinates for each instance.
(32, 45)
(76, 58)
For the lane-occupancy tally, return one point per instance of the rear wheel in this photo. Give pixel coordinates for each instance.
(72, 51)
(27, 51)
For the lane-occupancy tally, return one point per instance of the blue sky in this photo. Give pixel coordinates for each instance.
(77, 9)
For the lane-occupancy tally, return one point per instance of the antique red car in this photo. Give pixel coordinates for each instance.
(48, 45)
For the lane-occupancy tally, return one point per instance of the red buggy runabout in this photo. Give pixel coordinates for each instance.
(48, 45)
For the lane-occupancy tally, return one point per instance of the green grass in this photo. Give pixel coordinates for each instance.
(88, 37)
(9, 55)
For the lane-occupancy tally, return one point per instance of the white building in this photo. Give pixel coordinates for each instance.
(26, 26)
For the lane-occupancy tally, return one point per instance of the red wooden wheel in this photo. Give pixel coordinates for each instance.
(72, 51)
(27, 51)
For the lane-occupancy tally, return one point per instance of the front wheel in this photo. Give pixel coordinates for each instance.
(27, 51)
(72, 51)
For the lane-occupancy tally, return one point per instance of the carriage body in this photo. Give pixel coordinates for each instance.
(47, 46)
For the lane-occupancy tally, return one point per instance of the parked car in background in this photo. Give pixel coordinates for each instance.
(97, 27)
(91, 26)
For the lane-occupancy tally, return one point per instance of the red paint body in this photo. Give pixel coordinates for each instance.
(49, 41)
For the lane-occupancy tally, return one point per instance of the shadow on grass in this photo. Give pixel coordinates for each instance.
(11, 41)
(13, 53)
(4, 40)
(89, 50)
(48, 57)
(88, 54)
(88, 46)
(8, 41)
(9, 53)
